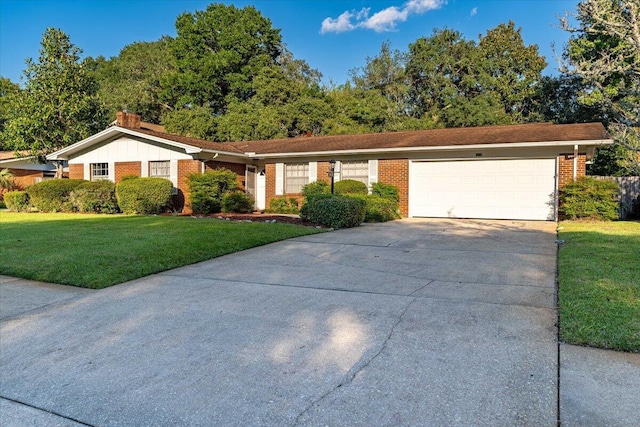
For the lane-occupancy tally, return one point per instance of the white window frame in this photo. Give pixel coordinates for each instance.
(296, 176)
(160, 164)
(357, 170)
(101, 167)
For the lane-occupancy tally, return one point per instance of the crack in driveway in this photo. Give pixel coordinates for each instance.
(356, 368)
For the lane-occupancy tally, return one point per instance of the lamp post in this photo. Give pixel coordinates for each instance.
(332, 172)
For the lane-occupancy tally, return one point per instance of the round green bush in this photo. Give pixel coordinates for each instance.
(590, 198)
(144, 195)
(282, 205)
(335, 211)
(206, 189)
(379, 209)
(17, 201)
(350, 186)
(52, 195)
(385, 191)
(316, 187)
(95, 197)
(237, 202)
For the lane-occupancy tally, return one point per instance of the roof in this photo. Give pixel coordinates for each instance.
(535, 132)
(523, 135)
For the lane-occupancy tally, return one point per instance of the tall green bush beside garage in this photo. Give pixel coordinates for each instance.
(53, 195)
(144, 195)
(590, 198)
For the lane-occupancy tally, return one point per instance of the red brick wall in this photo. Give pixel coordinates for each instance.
(396, 172)
(270, 183)
(76, 171)
(25, 177)
(123, 169)
(185, 168)
(565, 168)
(238, 168)
(323, 172)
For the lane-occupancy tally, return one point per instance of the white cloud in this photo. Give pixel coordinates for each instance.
(384, 20)
(474, 11)
(339, 25)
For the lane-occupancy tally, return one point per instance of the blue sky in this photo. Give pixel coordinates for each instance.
(332, 36)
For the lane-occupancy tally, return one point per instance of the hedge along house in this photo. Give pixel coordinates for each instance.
(492, 172)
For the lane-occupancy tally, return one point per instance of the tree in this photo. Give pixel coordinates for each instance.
(8, 92)
(445, 72)
(131, 80)
(59, 104)
(512, 70)
(218, 52)
(604, 50)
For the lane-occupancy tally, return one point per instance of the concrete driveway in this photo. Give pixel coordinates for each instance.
(415, 322)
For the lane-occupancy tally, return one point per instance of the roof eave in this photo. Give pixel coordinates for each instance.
(593, 142)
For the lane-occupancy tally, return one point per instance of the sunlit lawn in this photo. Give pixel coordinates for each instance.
(96, 251)
(599, 276)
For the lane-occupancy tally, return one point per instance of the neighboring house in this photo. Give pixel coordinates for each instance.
(501, 172)
(25, 170)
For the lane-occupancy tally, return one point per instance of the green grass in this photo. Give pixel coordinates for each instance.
(96, 251)
(599, 277)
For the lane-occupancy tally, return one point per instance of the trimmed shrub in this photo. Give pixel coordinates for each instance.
(335, 211)
(379, 209)
(590, 198)
(206, 189)
(17, 201)
(316, 187)
(144, 195)
(282, 205)
(385, 191)
(238, 202)
(52, 195)
(350, 186)
(95, 197)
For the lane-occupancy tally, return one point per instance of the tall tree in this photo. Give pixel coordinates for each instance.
(445, 72)
(59, 104)
(8, 92)
(131, 80)
(512, 70)
(218, 52)
(604, 50)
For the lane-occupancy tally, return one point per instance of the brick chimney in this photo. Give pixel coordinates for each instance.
(128, 120)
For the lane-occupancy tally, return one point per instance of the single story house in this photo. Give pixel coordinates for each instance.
(492, 172)
(25, 169)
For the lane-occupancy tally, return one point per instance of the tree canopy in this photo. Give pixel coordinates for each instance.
(59, 104)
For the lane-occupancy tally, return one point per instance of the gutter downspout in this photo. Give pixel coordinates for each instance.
(575, 162)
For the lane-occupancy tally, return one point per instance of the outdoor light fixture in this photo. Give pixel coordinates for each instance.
(332, 172)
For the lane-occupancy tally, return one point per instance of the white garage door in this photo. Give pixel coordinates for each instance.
(498, 189)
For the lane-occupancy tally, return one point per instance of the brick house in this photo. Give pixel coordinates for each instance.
(501, 172)
(25, 170)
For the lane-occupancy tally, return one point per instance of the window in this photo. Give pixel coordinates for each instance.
(99, 171)
(160, 169)
(358, 171)
(296, 176)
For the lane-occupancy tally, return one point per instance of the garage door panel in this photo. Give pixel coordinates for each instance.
(501, 189)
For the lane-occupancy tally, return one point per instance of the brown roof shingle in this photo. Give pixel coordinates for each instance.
(534, 132)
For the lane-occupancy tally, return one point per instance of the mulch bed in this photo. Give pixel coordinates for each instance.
(257, 217)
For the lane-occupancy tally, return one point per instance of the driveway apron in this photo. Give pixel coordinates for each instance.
(413, 322)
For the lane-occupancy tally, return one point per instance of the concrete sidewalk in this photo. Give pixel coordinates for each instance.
(431, 322)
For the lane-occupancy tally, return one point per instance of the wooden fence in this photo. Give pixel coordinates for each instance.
(629, 190)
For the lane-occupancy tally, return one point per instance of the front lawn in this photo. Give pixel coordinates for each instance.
(96, 251)
(599, 277)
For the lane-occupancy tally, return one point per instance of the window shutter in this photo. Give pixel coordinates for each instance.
(313, 171)
(373, 171)
(279, 179)
(87, 171)
(144, 169)
(173, 172)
